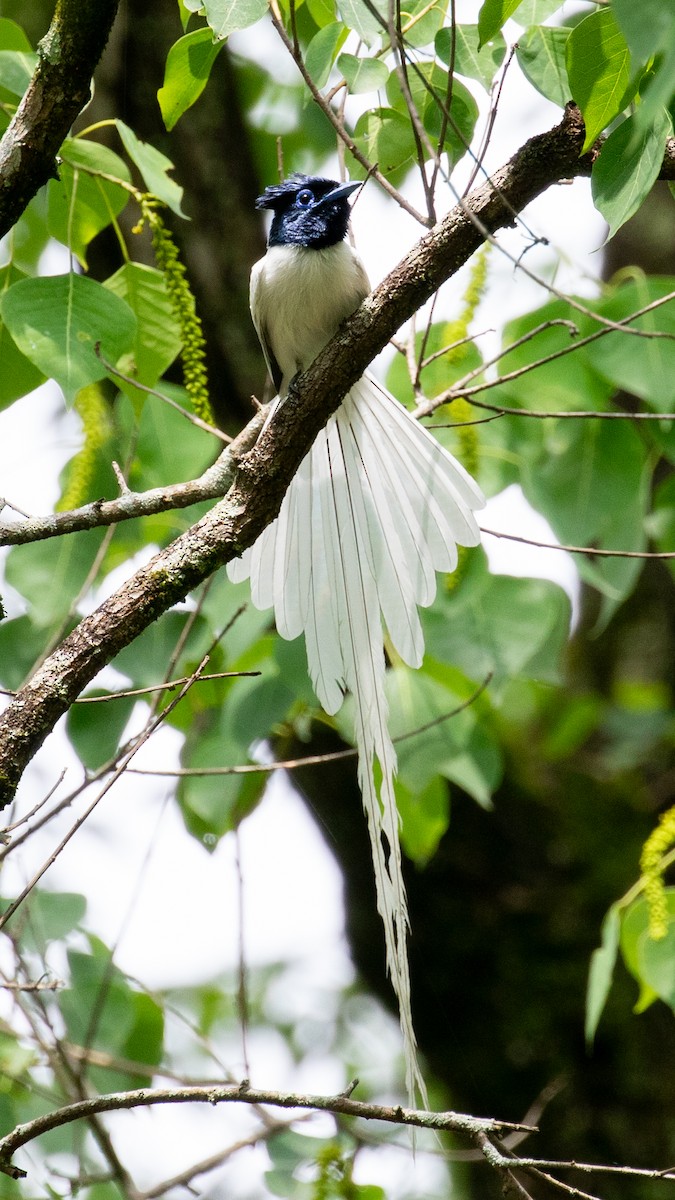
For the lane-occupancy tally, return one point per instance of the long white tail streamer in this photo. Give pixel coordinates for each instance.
(375, 510)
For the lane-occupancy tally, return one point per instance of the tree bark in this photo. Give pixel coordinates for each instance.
(59, 89)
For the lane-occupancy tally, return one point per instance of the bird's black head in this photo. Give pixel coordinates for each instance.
(308, 211)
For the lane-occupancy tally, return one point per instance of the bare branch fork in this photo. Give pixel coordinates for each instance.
(266, 471)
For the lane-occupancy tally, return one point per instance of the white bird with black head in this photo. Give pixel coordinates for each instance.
(376, 508)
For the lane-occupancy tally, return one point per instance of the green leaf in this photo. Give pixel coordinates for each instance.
(144, 662)
(216, 804)
(601, 971)
(184, 13)
(17, 60)
(322, 50)
(13, 37)
(18, 375)
(158, 337)
(100, 1009)
(21, 643)
(571, 729)
(509, 626)
(322, 12)
(541, 55)
(385, 137)
(657, 88)
(57, 322)
(599, 71)
(50, 574)
(421, 21)
(643, 366)
(650, 962)
(363, 74)
(535, 12)
(229, 16)
(492, 16)
(16, 70)
(590, 480)
(425, 815)
(648, 27)
(357, 15)
(658, 960)
(429, 90)
(478, 769)
(471, 60)
(241, 711)
(81, 204)
(93, 156)
(187, 70)
(144, 1041)
(627, 168)
(30, 236)
(169, 448)
(416, 700)
(97, 990)
(51, 916)
(154, 167)
(95, 730)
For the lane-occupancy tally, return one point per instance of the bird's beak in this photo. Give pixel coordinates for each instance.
(338, 193)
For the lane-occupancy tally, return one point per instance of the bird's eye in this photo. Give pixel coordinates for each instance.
(304, 198)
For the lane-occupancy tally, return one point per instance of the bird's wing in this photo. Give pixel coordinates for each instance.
(259, 317)
(376, 508)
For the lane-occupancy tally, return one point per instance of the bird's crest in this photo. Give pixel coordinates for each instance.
(278, 195)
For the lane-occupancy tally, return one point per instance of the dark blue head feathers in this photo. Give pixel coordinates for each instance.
(308, 211)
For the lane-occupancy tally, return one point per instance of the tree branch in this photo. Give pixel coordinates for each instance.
(242, 1093)
(266, 471)
(211, 485)
(58, 91)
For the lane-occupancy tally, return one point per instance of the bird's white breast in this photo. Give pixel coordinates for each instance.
(299, 296)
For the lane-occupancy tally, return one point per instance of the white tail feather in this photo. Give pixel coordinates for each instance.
(376, 508)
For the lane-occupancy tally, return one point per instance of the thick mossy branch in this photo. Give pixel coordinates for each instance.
(58, 91)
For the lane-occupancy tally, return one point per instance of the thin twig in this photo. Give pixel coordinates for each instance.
(131, 694)
(40, 804)
(184, 1178)
(39, 985)
(141, 387)
(591, 551)
(311, 760)
(459, 389)
(12, 908)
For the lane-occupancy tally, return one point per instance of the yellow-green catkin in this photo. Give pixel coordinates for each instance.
(96, 424)
(183, 304)
(459, 410)
(658, 842)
